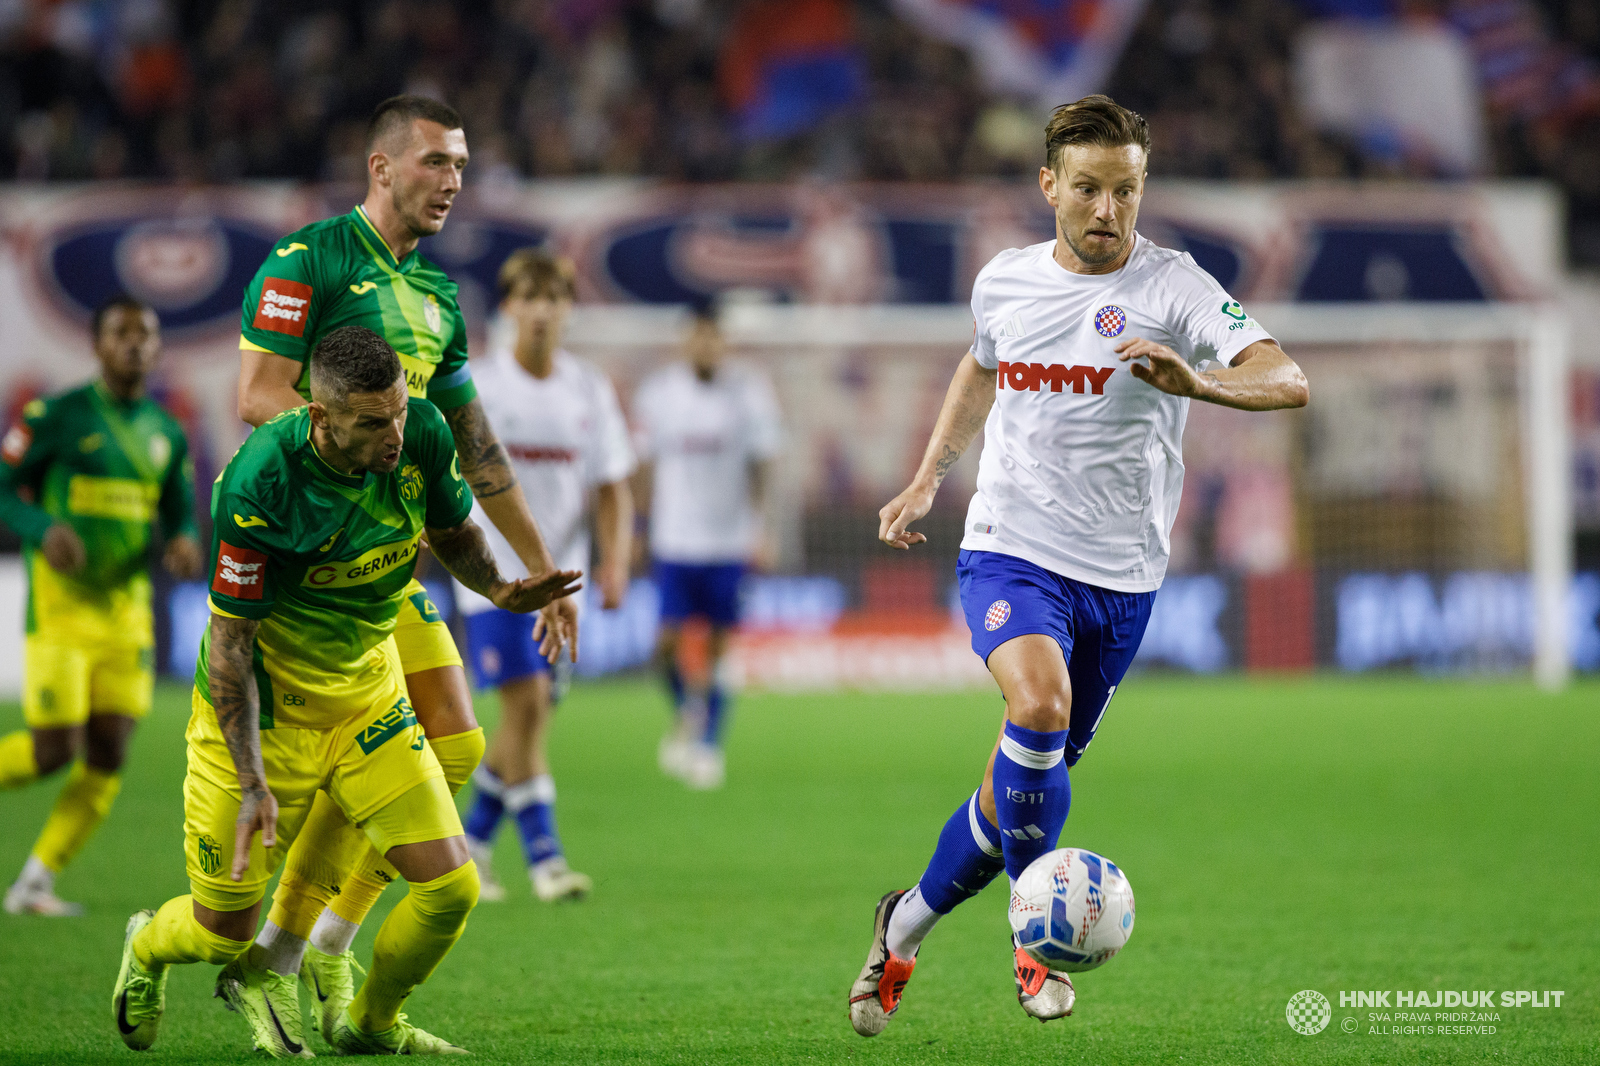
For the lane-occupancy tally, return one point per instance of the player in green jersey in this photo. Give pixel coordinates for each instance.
(363, 268)
(317, 522)
(85, 474)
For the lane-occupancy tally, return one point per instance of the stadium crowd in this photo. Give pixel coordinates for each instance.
(220, 90)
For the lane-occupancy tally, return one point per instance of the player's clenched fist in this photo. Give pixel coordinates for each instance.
(899, 513)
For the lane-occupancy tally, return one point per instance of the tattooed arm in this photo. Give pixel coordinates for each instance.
(1261, 378)
(464, 551)
(232, 681)
(487, 470)
(966, 406)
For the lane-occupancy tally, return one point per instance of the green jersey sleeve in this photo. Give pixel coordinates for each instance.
(282, 301)
(244, 573)
(177, 490)
(27, 449)
(449, 500)
(452, 384)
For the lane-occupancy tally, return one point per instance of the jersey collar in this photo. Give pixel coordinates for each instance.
(363, 224)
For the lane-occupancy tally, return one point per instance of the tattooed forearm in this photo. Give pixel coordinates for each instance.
(483, 462)
(966, 406)
(942, 466)
(232, 681)
(464, 551)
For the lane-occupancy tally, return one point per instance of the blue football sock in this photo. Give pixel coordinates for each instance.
(675, 685)
(1032, 794)
(533, 804)
(966, 859)
(488, 805)
(716, 708)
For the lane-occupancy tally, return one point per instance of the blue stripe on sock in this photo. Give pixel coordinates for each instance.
(960, 868)
(536, 823)
(484, 816)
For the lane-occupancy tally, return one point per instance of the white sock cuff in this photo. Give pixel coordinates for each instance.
(1037, 760)
(281, 950)
(981, 838)
(485, 780)
(333, 935)
(541, 789)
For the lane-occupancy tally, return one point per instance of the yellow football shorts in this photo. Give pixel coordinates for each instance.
(421, 635)
(377, 767)
(64, 680)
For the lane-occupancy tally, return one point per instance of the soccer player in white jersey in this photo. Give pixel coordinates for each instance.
(1087, 351)
(558, 418)
(707, 430)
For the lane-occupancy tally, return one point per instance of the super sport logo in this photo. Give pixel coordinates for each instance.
(239, 572)
(283, 307)
(1032, 377)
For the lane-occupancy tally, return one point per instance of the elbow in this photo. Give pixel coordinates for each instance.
(248, 410)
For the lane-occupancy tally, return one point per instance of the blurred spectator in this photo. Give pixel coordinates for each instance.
(711, 90)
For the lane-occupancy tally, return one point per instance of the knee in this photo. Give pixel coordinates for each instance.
(451, 897)
(1045, 712)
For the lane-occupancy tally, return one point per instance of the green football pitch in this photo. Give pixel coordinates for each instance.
(1335, 835)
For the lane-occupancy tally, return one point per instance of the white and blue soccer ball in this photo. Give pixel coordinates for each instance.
(1072, 909)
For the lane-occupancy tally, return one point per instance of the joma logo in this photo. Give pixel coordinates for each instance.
(1030, 377)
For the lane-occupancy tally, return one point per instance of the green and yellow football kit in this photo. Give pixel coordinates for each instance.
(109, 469)
(323, 561)
(340, 272)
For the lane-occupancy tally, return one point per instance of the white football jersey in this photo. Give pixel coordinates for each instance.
(702, 436)
(1082, 462)
(564, 434)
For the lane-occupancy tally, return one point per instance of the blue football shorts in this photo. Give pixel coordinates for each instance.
(1099, 630)
(692, 590)
(501, 647)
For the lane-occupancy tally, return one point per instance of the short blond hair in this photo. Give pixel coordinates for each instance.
(540, 270)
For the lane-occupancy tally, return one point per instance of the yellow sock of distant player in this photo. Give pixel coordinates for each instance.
(17, 764)
(84, 802)
(320, 860)
(415, 937)
(176, 936)
(458, 755)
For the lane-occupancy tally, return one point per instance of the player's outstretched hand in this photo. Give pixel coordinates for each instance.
(258, 812)
(531, 593)
(182, 558)
(557, 627)
(1167, 370)
(63, 549)
(899, 513)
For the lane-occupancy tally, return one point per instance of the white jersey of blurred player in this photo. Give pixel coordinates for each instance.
(709, 427)
(702, 437)
(564, 435)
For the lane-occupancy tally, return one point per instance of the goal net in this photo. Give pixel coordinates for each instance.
(1416, 515)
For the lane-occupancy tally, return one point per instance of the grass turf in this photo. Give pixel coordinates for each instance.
(1325, 833)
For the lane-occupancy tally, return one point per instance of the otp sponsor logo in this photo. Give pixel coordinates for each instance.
(1030, 377)
(283, 307)
(239, 572)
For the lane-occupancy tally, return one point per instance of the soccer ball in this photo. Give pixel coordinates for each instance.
(1072, 910)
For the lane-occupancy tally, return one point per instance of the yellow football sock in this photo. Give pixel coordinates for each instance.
(17, 764)
(84, 802)
(458, 755)
(415, 937)
(319, 860)
(176, 936)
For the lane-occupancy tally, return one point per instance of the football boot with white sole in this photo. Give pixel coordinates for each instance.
(1044, 993)
(876, 994)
